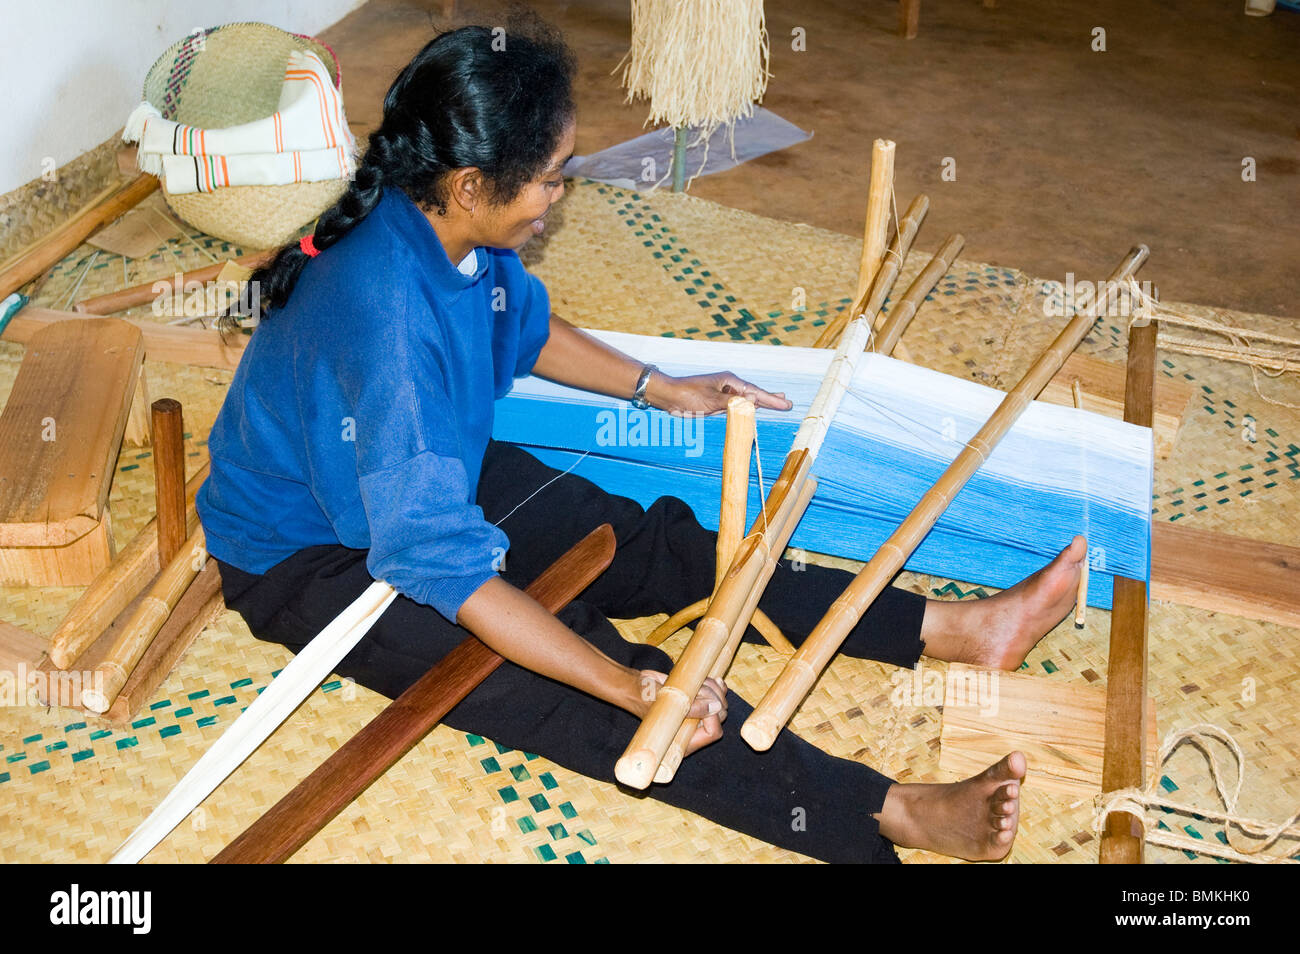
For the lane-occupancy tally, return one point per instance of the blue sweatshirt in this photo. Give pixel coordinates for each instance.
(361, 410)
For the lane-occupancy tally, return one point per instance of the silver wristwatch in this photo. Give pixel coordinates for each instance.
(638, 396)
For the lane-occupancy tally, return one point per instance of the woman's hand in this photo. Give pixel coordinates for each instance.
(710, 707)
(573, 357)
(707, 393)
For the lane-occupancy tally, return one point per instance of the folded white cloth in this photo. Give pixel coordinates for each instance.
(307, 139)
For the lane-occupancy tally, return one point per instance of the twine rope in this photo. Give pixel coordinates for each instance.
(1137, 801)
(1240, 347)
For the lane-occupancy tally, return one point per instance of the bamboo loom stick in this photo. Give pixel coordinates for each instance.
(806, 666)
(292, 821)
(1124, 761)
(201, 604)
(144, 624)
(880, 193)
(169, 476)
(737, 450)
(641, 760)
(770, 632)
(901, 315)
(731, 525)
(277, 701)
(49, 250)
(672, 759)
(117, 585)
(146, 292)
(870, 303)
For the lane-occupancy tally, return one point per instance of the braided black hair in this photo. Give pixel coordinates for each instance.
(495, 99)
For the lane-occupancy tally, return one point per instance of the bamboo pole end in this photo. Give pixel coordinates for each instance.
(760, 732)
(668, 768)
(100, 700)
(636, 769)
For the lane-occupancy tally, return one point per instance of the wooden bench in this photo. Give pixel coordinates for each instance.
(60, 434)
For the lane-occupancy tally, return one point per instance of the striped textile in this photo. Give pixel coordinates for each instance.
(307, 139)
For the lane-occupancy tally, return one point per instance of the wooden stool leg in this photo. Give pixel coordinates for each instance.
(909, 16)
(137, 422)
(169, 476)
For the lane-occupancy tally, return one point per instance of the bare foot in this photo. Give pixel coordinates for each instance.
(975, 819)
(1001, 630)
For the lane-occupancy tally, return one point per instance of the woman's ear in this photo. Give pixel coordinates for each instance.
(465, 187)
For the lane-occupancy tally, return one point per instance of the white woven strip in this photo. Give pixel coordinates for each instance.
(278, 700)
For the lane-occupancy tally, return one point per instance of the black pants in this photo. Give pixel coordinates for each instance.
(794, 795)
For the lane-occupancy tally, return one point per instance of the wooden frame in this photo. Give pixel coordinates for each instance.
(1125, 758)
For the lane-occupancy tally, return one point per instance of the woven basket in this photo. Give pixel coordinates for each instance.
(226, 76)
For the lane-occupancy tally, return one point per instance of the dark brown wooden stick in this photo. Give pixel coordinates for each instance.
(169, 476)
(1126, 678)
(295, 819)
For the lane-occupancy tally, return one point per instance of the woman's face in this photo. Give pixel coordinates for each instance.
(513, 224)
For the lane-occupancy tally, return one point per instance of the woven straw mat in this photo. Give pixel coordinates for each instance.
(73, 788)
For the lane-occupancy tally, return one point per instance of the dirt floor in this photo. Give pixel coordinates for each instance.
(1064, 156)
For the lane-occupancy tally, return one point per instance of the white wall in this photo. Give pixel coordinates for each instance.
(71, 70)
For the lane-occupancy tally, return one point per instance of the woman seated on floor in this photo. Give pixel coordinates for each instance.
(355, 444)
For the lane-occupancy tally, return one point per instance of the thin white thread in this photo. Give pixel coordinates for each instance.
(886, 410)
(77, 287)
(1240, 339)
(541, 488)
(762, 493)
(898, 229)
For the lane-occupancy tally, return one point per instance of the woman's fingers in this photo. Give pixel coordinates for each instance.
(708, 732)
(775, 400)
(709, 394)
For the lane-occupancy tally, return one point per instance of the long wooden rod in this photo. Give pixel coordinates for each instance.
(677, 750)
(880, 193)
(48, 251)
(316, 800)
(901, 315)
(1125, 757)
(146, 292)
(806, 666)
(871, 303)
(646, 751)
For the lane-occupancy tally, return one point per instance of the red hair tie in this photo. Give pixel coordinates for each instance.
(307, 245)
